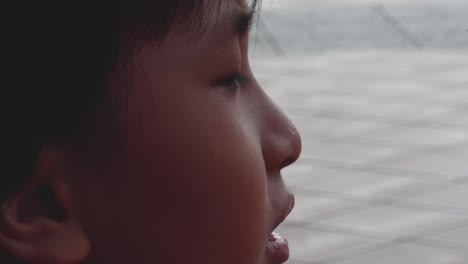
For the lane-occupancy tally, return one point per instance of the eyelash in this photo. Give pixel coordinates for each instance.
(235, 81)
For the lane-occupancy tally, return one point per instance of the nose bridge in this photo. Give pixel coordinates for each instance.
(281, 142)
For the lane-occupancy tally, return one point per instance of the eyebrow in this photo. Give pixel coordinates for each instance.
(243, 20)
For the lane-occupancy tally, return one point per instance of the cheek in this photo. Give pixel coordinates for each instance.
(209, 194)
(221, 186)
(194, 184)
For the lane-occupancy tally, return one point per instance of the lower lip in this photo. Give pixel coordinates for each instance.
(278, 248)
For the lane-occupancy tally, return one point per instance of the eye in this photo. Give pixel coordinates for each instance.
(234, 81)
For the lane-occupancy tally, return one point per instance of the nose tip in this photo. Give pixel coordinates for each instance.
(283, 146)
(295, 145)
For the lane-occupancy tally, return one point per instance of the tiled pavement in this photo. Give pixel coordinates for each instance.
(379, 92)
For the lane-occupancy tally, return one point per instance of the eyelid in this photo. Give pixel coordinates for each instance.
(234, 81)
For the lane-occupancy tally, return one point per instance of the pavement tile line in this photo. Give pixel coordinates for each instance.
(401, 31)
(386, 171)
(370, 201)
(387, 240)
(379, 119)
(400, 27)
(418, 148)
(377, 201)
(389, 79)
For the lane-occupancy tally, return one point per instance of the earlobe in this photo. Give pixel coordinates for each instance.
(37, 224)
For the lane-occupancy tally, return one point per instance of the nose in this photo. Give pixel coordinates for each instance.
(281, 142)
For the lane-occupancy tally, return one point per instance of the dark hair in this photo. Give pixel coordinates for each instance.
(60, 56)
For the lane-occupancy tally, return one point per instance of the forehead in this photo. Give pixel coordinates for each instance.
(202, 23)
(222, 20)
(216, 13)
(152, 20)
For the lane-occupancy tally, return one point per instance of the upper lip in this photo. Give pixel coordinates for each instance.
(285, 210)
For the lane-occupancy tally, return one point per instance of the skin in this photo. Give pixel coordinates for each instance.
(190, 171)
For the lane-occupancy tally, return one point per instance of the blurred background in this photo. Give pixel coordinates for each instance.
(379, 92)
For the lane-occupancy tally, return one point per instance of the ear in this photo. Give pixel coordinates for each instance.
(38, 224)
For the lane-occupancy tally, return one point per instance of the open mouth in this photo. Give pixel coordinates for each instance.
(277, 246)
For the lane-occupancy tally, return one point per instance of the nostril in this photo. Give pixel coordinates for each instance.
(287, 162)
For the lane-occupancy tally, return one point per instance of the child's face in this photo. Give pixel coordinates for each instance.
(196, 177)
